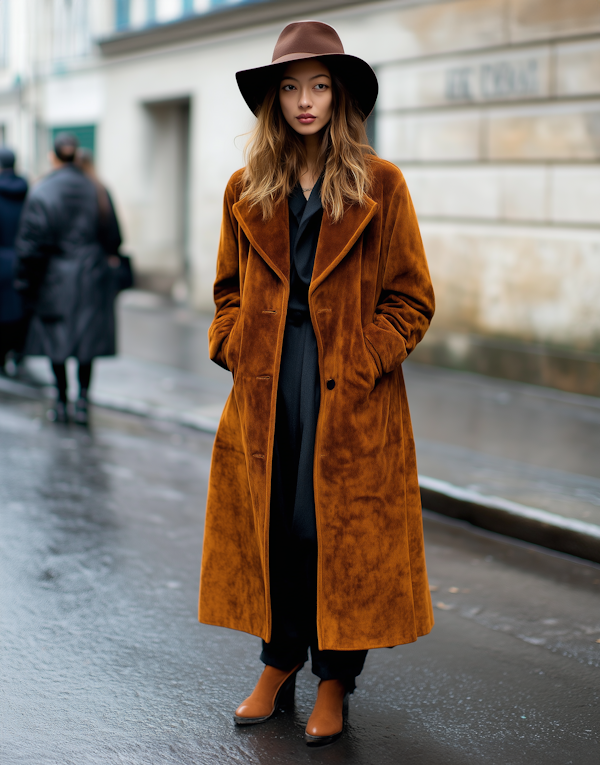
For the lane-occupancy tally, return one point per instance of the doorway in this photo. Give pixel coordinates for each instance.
(166, 260)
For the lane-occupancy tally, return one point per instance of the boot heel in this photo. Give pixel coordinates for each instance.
(286, 696)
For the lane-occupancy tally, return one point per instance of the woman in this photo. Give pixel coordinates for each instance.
(313, 533)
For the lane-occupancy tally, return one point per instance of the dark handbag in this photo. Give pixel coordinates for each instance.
(121, 271)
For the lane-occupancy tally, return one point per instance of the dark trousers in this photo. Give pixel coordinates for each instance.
(84, 374)
(12, 337)
(294, 613)
(293, 526)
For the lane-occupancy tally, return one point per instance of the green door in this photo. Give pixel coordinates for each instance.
(86, 135)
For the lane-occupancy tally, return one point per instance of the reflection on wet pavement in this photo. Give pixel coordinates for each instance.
(104, 661)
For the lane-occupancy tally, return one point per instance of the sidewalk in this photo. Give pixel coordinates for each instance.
(512, 458)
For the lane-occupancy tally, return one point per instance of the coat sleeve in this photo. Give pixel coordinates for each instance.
(35, 243)
(227, 283)
(406, 302)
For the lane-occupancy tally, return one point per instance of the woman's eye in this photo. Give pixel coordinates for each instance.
(321, 86)
(288, 87)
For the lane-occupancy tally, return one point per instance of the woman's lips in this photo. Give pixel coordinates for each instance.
(306, 119)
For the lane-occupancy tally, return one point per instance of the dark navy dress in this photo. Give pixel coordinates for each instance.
(293, 530)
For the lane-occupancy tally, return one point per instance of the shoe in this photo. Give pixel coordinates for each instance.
(326, 723)
(81, 411)
(58, 413)
(275, 689)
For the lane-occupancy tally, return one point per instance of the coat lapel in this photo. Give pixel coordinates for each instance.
(271, 238)
(336, 239)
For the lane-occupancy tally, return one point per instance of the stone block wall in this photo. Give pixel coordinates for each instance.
(492, 110)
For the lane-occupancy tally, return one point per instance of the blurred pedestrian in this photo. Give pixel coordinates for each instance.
(64, 270)
(109, 229)
(13, 318)
(313, 534)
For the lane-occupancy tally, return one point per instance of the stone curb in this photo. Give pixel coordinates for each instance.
(188, 418)
(566, 535)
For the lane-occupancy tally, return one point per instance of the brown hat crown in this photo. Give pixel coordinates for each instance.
(312, 37)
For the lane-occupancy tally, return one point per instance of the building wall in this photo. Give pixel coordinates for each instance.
(50, 72)
(15, 124)
(204, 76)
(491, 108)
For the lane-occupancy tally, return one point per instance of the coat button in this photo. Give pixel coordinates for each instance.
(330, 384)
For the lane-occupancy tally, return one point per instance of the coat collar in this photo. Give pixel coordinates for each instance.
(337, 239)
(271, 239)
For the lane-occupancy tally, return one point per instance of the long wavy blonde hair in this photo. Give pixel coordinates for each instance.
(275, 156)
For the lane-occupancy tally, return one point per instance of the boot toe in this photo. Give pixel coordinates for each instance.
(249, 710)
(274, 689)
(242, 710)
(326, 723)
(325, 726)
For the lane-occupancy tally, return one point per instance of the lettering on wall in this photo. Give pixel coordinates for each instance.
(493, 80)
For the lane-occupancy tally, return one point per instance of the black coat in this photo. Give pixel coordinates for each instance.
(64, 270)
(13, 191)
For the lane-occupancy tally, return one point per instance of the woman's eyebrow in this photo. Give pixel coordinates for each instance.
(316, 76)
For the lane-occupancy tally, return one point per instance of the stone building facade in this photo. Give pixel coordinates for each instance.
(491, 108)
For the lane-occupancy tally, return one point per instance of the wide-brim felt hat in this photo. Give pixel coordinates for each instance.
(311, 39)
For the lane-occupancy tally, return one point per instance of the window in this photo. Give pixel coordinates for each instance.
(121, 14)
(150, 11)
(71, 33)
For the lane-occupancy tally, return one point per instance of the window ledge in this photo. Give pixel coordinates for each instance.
(216, 22)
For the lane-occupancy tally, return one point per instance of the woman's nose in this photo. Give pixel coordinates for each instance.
(305, 99)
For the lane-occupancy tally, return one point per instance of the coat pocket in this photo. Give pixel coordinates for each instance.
(234, 345)
(372, 361)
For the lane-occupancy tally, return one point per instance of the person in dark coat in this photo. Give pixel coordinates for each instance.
(13, 319)
(64, 271)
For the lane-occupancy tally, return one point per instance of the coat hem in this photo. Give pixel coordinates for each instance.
(362, 647)
(373, 646)
(230, 627)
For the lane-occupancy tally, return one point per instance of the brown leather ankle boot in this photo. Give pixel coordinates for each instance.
(274, 689)
(326, 723)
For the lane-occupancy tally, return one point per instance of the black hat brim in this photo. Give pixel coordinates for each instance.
(357, 76)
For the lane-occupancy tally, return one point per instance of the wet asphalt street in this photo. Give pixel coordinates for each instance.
(103, 660)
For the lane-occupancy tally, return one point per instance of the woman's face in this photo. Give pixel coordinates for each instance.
(306, 97)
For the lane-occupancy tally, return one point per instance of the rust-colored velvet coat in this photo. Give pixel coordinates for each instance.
(371, 301)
